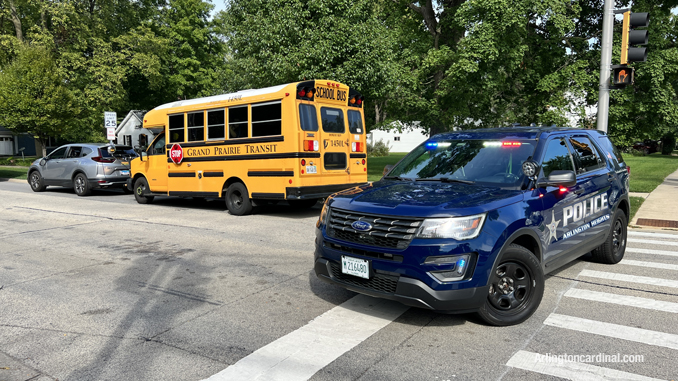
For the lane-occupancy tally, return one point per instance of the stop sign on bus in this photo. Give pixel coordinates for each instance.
(176, 153)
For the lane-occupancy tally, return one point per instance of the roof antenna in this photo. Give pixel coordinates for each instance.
(533, 125)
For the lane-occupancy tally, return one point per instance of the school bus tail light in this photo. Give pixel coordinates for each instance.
(359, 100)
(311, 145)
(357, 147)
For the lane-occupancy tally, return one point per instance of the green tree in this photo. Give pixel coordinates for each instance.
(34, 98)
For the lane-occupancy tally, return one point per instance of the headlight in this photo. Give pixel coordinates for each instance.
(454, 227)
(323, 215)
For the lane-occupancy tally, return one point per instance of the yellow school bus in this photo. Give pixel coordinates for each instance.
(297, 142)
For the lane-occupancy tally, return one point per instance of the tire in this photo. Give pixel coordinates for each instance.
(36, 181)
(141, 188)
(81, 185)
(612, 250)
(516, 288)
(303, 204)
(238, 199)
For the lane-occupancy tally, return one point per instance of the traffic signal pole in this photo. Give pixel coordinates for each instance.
(605, 64)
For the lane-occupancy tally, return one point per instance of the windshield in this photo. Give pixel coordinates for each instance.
(489, 162)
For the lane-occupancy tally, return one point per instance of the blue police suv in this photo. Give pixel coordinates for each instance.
(471, 221)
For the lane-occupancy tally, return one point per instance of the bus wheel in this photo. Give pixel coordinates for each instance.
(238, 200)
(303, 204)
(140, 188)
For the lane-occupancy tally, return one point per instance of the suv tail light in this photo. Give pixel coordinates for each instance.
(311, 145)
(628, 169)
(101, 159)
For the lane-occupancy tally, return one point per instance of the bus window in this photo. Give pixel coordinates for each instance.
(158, 146)
(196, 126)
(355, 122)
(332, 120)
(215, 124)
(176, 128)
(335, 160)
(308, 118)
(266, 119)
(237, 122)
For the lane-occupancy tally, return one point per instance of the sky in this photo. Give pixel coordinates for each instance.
(219, 5)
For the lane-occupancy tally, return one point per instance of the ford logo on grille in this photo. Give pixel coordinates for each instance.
(361, 226)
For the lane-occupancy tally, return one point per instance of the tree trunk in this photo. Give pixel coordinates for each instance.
(16, 21)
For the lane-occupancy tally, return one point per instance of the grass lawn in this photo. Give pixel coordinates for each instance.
(13, 172)
(636, 202)
(375, 165)
(649, 171)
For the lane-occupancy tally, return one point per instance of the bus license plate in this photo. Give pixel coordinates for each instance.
(311, 169)
(355, 266)
(124, 172)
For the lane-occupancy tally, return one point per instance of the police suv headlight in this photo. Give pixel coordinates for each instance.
(323, 214)
(454, 227)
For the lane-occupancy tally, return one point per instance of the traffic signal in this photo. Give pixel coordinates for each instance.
(634, 37)
(623, 76)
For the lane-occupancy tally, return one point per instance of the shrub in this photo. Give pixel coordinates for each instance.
(378, 149)
(668, 144)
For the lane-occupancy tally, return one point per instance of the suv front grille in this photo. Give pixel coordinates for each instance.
(388, 232)
(378, 282)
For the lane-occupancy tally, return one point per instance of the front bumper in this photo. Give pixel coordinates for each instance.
(408, 291)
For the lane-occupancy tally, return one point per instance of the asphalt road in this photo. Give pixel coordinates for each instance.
(101, 288)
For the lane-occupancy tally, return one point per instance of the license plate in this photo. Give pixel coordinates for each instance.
(124, 172)
(311, 169)
(355, 266)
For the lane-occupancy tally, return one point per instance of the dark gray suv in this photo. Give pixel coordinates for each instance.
(83, 167)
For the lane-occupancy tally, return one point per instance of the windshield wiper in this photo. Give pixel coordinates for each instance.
(397, 178)
(446, 180)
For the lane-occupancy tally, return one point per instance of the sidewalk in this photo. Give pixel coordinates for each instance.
(660, 208)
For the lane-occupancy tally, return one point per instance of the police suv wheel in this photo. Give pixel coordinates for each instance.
(36, 181)
(140, 189)
(612, 251)
(516, 288)
(238, 199)
(81, 186)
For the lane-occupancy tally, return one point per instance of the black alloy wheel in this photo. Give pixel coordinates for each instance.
(613, 249)
(516, 287)
(80, 185)
(36, 182)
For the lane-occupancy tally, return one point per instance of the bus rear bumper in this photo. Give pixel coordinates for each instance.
(319, 191)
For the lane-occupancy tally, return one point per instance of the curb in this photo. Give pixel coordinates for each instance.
(14, 180)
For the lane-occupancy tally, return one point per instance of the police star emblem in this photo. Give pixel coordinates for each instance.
(553, 226)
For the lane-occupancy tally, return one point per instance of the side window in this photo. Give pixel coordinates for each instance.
(556, 157)
(266, 119)
(85, 151)
(355, 122)
(196, 126)
(176, 128)
(59, 153)
(308, 118)
(75, 152)
(215, 124)
(237, 122)
(586, 154)
(332, 119)
(158, 146)
(612, 151)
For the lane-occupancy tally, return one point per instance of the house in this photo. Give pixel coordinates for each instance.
(400, 137)
(12, 144)
(130, 131)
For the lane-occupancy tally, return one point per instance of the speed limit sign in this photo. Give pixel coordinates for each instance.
(110, 122)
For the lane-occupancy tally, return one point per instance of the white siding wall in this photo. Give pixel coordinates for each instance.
(408, 139)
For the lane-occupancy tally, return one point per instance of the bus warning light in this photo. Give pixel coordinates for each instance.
(303, 161)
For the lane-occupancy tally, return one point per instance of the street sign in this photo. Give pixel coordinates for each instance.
(623, 76)
(110, 122)
(176, 153)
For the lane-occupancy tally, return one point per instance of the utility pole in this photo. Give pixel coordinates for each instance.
(605, 64)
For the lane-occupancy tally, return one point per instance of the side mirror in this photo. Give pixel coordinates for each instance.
(559, 178)
(387, 169)
(44, 160)
(142, 154)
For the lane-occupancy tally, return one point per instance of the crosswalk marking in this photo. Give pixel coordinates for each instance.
(638, 335)
(655, 235)
(571, 370)
(653, 242)
(300, 354)
(624, 300)
(654, 265)
(651, 251)
(630, 278)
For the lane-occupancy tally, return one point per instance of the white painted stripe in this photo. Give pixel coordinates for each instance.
(630, 278)
(638, 335)
(652, 252)
(655, 235)
(653, 242)
(571, 370)
(654, 265)
(300, 354)
(623, 300)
